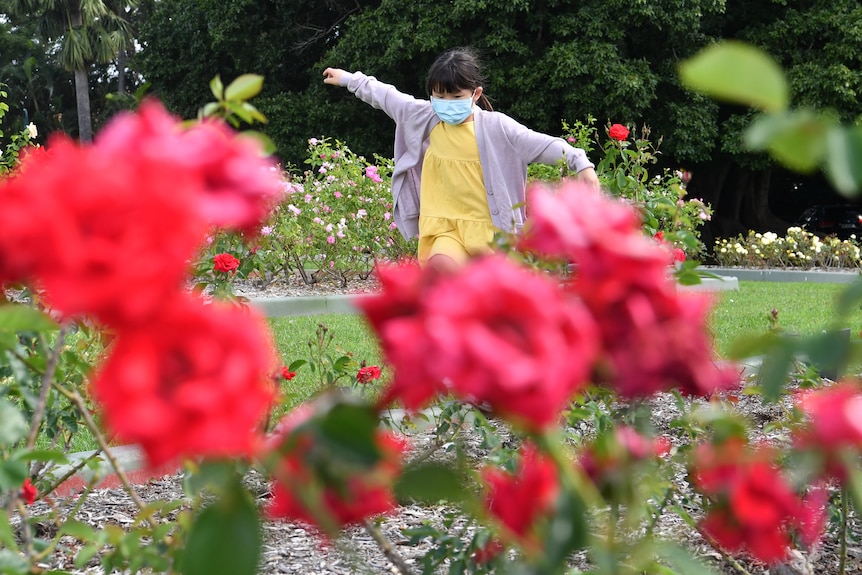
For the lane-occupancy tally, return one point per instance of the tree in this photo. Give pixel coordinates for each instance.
(545, 61)
(819, 44)
(187, 42)
(86, 32)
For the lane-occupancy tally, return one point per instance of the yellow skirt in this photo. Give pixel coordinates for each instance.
(458, 239)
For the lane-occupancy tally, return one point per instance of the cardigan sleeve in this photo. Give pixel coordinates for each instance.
(397, 105)
(535, 147)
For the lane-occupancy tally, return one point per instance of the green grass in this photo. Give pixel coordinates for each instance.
(350, 335)
(803, 308)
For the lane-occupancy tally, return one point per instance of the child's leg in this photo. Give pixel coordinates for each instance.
(442, 246)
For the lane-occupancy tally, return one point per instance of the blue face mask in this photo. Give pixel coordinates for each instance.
(453, 111)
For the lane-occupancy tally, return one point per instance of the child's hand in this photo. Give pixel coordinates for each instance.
(590, 177)
(332, 76)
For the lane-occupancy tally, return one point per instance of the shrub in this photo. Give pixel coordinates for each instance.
(797, 249)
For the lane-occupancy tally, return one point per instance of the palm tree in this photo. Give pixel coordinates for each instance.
(86, 31)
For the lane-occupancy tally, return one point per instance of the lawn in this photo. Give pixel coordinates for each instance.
(803, 308)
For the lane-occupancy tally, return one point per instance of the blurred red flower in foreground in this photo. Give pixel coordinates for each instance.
(653, 337)
(522, 347)
(519, 500)
(225, 263)
(102, 237)
(339, 492)
(236, 186)
(194, 382)
(29, 492)
(753, 508)
(834, 427)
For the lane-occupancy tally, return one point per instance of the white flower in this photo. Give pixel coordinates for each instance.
(31, 128)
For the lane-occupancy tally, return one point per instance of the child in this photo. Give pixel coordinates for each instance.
(460, 168)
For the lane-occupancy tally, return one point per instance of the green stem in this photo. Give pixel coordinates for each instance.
(47, 380)
(76, 398)
(845, 510)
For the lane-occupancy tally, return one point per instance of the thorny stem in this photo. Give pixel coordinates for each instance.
(80, 502)
(733, 562)
(25, 527)
(73, 470)
(668, 494)
(842, 555)
(47, 380)
(387, 548)
(75, 397)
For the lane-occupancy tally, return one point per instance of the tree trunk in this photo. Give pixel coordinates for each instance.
(756, 213)
(82, 96)
(739, 198)
(121, 69)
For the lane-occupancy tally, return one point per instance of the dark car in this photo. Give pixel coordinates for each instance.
(837, 220)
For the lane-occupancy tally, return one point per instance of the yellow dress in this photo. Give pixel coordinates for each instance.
(454, 217)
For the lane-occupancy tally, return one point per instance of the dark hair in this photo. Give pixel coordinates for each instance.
(455, 70)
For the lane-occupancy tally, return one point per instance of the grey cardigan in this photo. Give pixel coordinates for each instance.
(505, 149)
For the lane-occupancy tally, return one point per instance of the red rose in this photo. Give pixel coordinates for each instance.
(518, 500)
(225, 263)
(287, 374)
(28, 492)
(103, 237)
(523, 347)
(618, 132)
(653, 336)
(236, 185)
(396, 315)
(752, 506)
(368, 374)
(195, 381)
(346, 492)
(833, 424)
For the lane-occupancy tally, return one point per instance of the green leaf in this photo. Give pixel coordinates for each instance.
(773, 371)
(12, 563)
(796, 139)
(225, 538)
(266, 143)
(737, 72)
(217, 88)
(244, 87)
(12, 474)
(7, 536)
(430, 483)
(8, 340)
(17, 317)
(44, 455)
(349, 431)
(13, 426)
(849, 298)
(568, 530)
(844, 159)
(296, 364)
(85, 554)
(681, 560)
(79, 530)
(210, 109)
